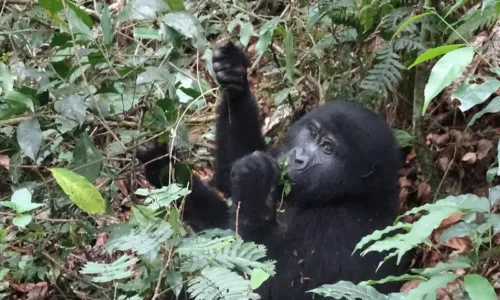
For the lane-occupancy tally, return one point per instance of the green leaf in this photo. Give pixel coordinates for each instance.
(29, 137)
(107, 27)
(175, 5)
(289, 55)
(22, 200)
(455, 6)
(403, 138)
(54, 6)
(219, 283)
(6, 78)
(492, 108)
(143, 10)
(117, 270)
(174, 280)
(408, 22)
(348, 290)
(498, 157)
(80, 191)
(80, 29)
(72, 112)
(404, 277)
(87, 159)
(460, 229)
(15, 98)
(473, 94)
(22, 220)
(460, 262)
(162, 197)
(479, 288)
(258, 277)
(81, 14)
(491, 174)
(187, 25)
(449, 67)
(281, 96)
(149, 33)
(434, 52)
(428, 288)
(246, 32)
(266, 35)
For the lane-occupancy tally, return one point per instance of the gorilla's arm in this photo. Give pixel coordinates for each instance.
(203, 207)
(254, 181)
(237, 127)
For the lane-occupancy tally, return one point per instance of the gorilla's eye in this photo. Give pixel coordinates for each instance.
(313, 133)
(327, 149)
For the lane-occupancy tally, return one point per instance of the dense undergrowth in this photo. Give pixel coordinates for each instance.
(83, 83)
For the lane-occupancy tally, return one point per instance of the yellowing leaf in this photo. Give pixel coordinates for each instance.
(80, 191)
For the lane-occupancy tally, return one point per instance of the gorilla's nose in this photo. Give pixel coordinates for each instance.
(301, 158)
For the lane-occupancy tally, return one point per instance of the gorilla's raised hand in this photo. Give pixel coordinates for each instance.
(230, 65)
(254, 179)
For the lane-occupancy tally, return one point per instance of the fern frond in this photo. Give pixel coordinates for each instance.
(476, 20)
(223, 252)
(142, 240)
(385, 73)
(219, 283)
(117, 270)
(408, 44)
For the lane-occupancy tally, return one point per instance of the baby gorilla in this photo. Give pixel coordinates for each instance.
(342, 161)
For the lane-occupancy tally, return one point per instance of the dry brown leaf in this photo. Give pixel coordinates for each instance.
(483, 147)
(424, 192)
(462, 244)
(121, 186)
(454, 218)
(5, 161)
(469, 157)
(441, 140)
(443, 163)
(410, 285)
(411, 155)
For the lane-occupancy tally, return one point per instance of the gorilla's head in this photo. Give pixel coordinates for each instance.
(341, 152)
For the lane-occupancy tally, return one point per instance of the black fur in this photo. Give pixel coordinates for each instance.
(343, 163)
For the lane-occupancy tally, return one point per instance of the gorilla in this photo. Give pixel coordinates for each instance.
(342, 162)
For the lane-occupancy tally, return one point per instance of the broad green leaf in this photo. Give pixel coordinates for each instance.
(29, 137)
(473, 94)
(80, 191)
(257, 277)
(498, 158)
(289, 55)
(142, 10)
(22, 220)
(494, 195)
(81, 14)
(491, 174)
(428, 288)
(15, 98)
(175, 5)
(281, 96)
(87, 159)
(107, 27)
(434, 52)
(6, 78)
(80, 29)
(457, 230)
(479, 288)
(154, 74)
(266, 35)
(246, 31)
(449, 67)
(492, 108)
(403, 138)
(174, 280)
(408, 22)
(54, 6)
(22, 200)
(187, 25)
(149, 33)
(72, 112)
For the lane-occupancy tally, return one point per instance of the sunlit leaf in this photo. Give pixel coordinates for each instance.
(449, 67)
(17, 98)
(434, 52)
(479, 288)
(258, 277)
(246, 32)
(29, 137)
(22, 220)
(80, 191)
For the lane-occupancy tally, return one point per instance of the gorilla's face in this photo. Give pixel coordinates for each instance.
(340, 152)
(314, 159)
